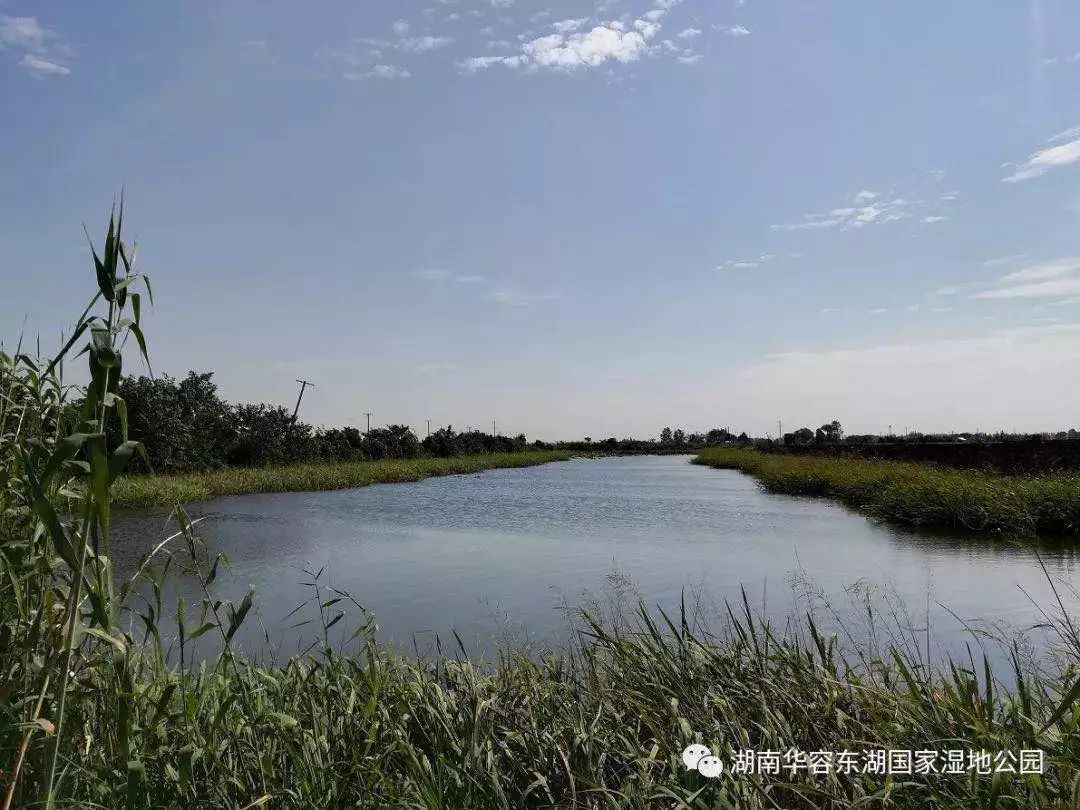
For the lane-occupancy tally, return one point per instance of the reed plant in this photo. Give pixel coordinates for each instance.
(919, 494)
(170, 490)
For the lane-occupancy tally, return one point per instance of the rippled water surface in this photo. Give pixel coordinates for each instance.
(498, 552)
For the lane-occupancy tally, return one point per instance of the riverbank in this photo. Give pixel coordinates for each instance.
(918, 494)
(169, 490)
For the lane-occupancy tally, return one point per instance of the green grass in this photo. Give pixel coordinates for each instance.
(169, 490)
(599, 725)
(919, 494)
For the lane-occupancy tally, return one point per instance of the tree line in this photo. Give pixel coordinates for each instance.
(186, 426)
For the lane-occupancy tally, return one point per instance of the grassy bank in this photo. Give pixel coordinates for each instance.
(169, 490)
(918, 494)
(601, 725)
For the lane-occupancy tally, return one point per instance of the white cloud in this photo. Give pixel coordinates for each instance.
(380, 72)
(690, 58)
(475, 63)
(432, 275)
(570, 48)
(401, 27)
(590, 49)
(1065, 135)
(998, 261)
(39, 50)
(1046, 159)
(515, 298)
(871, 208)
(746, 264)
(689, 33)
(38, 66)
(569, 26)
(1054, 279)
(1056, 268)
(736, 31)
(25, 33)
(422, 44)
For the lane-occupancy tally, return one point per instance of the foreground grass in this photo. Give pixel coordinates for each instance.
(169, 490)
(918, 494)
(600, 725)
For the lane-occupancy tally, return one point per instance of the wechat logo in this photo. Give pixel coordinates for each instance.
(698, 758)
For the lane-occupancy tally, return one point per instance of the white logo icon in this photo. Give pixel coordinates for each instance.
(693, 754)
(710, 767)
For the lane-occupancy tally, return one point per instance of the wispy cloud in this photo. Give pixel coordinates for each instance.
(40, 51)
(422, 44)
(379, 72)
(516, 298)
(746, 264)
(569, 26)
(873, 208)
(1039, 163)
(735, 30)
(1053, 279)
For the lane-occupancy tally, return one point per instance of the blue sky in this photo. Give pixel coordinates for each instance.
(577, 218)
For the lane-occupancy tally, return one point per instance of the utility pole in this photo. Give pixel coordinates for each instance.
(303, 386)
(493, 434)
(780, 428)
(368, 415)
(428, 427)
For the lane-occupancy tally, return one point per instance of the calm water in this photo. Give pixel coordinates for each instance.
(498, 552)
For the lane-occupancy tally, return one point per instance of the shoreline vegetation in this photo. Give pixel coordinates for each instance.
(148, 491)
(918, 494)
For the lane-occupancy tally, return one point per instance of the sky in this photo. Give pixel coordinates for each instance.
(574, 218)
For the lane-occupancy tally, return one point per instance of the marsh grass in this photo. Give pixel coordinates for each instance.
(100, 708)
(170, 490)
(919, 494)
